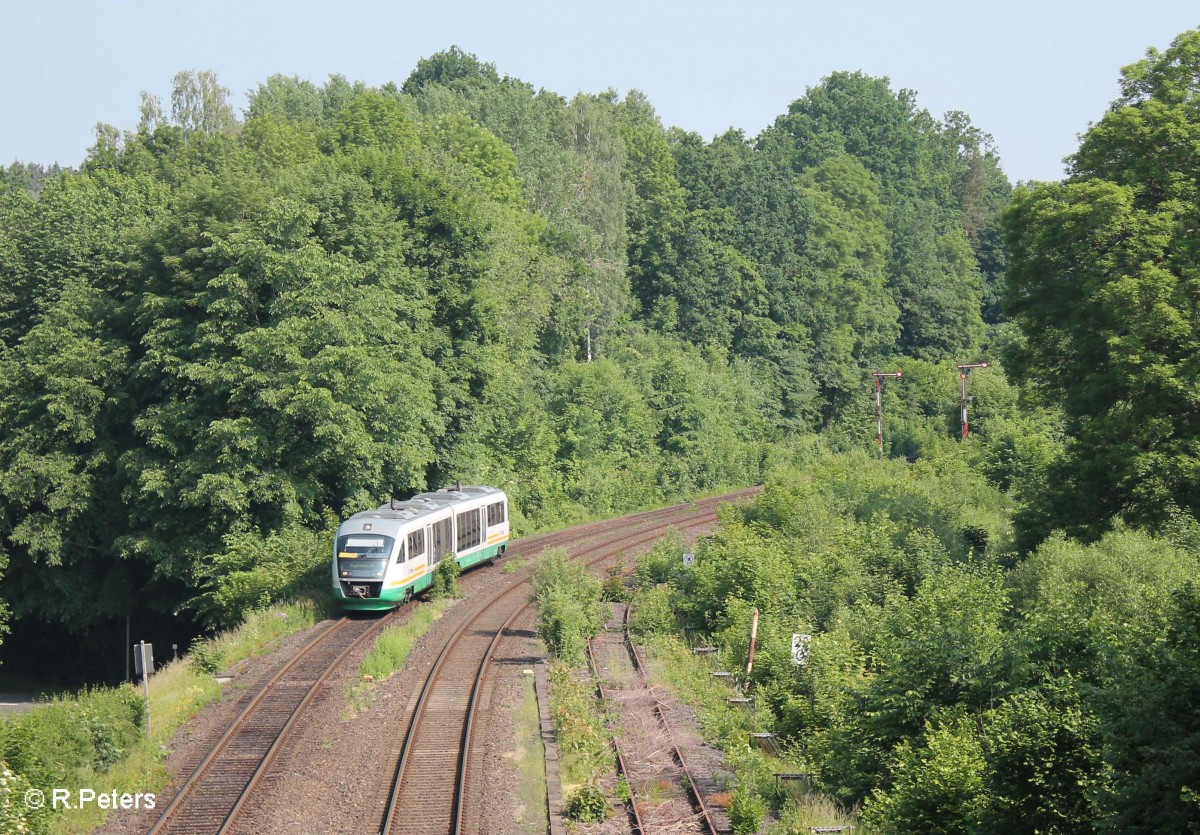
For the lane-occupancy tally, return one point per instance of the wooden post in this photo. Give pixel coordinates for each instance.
(753, 638)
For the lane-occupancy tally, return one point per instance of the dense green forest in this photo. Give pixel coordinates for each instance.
(222, 333)
(1005, 633)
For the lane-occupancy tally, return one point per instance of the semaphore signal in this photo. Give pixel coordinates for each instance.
(963, 370)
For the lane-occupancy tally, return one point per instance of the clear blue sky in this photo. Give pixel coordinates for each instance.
(1033, 74)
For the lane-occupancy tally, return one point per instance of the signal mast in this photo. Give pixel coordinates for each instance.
(963, 370)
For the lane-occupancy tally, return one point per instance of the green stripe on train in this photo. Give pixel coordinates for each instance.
(391, 598)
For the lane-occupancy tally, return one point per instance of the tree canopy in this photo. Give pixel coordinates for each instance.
(1104, 281)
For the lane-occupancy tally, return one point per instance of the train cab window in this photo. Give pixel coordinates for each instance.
(365, 556)
(416, 543)
(400, 556)
(496, 513)
(365, 547)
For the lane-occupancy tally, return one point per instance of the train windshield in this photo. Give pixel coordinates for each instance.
(363, 556)
(365, 546)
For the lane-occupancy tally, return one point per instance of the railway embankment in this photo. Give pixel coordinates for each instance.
(97, 738)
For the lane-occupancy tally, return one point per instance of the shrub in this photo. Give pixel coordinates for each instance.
(12, 801)
(55, 742)
(567, 598)
(651, 613)
(255, 571)
(588, 804)
(938, 783)
(746, 810)
(445, 580)
(662, 563)
(615, 588)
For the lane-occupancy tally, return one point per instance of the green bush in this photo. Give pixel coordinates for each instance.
(55, 743)
(445, 580)
(616, 590)
(938, 784)
(746, 811)
(13, 819)
(255, 571)
(662, 563)
(206, 657)
(650, 612)
(588, 804)
(582, 736)
(567, 598)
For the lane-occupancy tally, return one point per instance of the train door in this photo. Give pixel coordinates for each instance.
(439, 540)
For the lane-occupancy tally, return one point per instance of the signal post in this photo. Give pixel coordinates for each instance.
(963, 370)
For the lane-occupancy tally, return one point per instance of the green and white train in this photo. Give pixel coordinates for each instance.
(383, 557)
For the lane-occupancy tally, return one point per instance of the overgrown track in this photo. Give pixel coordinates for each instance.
(210, 798)
(678, 805)
(431, 790)
(689, 779)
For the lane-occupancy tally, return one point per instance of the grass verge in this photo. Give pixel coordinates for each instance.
(530, 759)
(256, 635)
(96, 739)
(389, 653)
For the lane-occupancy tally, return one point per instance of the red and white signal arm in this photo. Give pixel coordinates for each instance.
(800, 648)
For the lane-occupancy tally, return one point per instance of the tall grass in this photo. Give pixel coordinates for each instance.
(96, 739)
(727, 727)
(391, 651)
(256, 635)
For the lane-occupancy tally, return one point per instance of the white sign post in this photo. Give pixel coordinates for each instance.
(800, 648)
(688, 559)
(143, 663)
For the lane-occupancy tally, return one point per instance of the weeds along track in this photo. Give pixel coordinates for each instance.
(711, 818)
(210, 800)
(432, 788)
(663, 793)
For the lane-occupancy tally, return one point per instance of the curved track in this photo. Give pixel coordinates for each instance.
(438, 739)
(431, 788)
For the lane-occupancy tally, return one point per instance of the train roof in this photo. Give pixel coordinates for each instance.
(424, 504)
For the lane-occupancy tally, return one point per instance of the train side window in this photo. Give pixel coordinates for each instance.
(468, 529)
(416, 543)
(441, 540)
(496, 513)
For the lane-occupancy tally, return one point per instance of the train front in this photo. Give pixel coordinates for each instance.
(362, 552)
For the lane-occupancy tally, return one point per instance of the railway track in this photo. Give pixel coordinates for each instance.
(431, 791)
(658, 767)
(210, 800)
